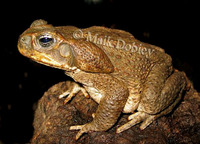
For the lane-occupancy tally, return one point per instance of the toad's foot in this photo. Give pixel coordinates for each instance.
(72, 91)
(137, 118)
(146, 118)
(82, 129)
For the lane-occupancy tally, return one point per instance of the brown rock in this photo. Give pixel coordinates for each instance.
(53, 119)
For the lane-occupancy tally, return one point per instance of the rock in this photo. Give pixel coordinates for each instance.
(53, 119)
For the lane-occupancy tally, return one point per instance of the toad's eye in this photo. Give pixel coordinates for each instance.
(46, 41)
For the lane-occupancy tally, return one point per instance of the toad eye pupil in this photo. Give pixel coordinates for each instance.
(46, 41)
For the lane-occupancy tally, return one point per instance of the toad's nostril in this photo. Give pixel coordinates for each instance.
(26, 40)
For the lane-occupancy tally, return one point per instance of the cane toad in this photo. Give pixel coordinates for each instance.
(118, 71)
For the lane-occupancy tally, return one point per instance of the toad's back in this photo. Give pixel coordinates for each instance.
(131, 58)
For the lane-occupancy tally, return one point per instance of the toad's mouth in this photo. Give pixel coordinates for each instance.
(49, 61)
(45, 59)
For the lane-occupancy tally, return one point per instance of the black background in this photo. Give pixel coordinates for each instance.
(172, 25)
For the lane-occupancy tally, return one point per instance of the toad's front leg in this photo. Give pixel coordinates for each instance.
(114, 96)
(74, 88)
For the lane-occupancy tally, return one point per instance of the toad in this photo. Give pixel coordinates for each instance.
(119, 72)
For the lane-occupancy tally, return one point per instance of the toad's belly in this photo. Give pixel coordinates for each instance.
(94, 93)
(131, 104)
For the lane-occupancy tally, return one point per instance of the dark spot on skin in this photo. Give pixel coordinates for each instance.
(118, 56)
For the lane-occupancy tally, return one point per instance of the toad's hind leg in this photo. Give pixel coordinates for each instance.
(170, 95)
(145, 118)
(171, 90)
